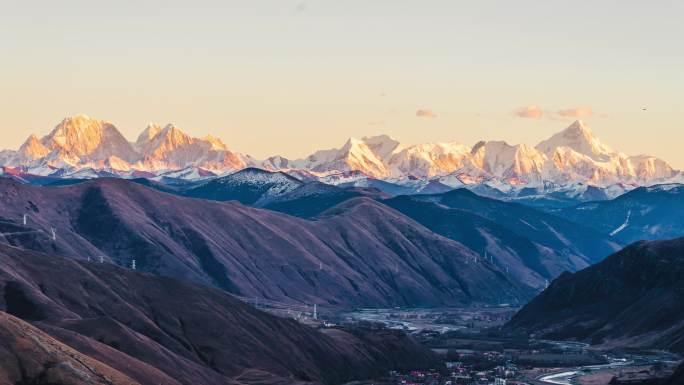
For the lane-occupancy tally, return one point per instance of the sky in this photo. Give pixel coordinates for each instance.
(289, 77)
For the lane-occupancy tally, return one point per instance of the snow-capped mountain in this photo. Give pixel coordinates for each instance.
(355, 155)
(429, 159)
(575, 155)
(81, 142)
(570, 157)
(249, 186)
(169, 148)
(75, 142)
(381, 157)
(517, 164)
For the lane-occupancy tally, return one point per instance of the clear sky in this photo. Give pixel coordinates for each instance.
(289, 77)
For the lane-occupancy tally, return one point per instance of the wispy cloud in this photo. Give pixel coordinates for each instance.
(577, 112)
(533, 111)
(426, 113)
(529, 112)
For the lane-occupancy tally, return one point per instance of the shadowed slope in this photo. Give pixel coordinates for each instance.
(633, 298)
(150, 327)
(30, 356)
(365, 254)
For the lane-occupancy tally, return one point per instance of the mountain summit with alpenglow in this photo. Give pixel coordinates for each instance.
(580, 139)
(574, 155)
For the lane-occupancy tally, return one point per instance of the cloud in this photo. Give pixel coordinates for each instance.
(530, 112)
(578, 112)
(425, 113)
(302, 6)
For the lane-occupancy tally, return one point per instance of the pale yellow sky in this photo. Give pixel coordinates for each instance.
(289, 77)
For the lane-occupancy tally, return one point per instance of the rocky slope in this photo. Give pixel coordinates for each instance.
(105, 324)
(633, 298)
(361, 253)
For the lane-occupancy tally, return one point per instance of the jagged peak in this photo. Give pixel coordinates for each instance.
(33, 148)
(79, 118)
(382, 145)
(77, 122)
(382, 138)
(493, 145)
(351, 141)
(32, 138)
(579, 130)
(172, 128)
(149, 133)
(172, 133)
(578, 137)
(216, 143)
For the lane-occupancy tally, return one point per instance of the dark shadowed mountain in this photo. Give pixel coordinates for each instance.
(633, 298)
(534, 245)
(580, 244)
(484, 225)
(102, 321)
(249, 186)
(645, 213)
(528, 261)
(677, 377)
(360, 253)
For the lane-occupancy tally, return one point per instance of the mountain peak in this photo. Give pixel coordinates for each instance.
(174, 135)
(81, 139)
(352, 142)
(578, 137)
(33, 148)
(578, 128)
(382, 145)
(149, 133)
(216, 143)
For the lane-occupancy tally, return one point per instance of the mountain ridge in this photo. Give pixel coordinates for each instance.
(367, 255)
(632, 298)
(574, 155)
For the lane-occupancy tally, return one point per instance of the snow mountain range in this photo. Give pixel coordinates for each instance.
(88, 147)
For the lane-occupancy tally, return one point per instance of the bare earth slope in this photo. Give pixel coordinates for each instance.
(30, 356)
(160, 330)
(361, 253)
